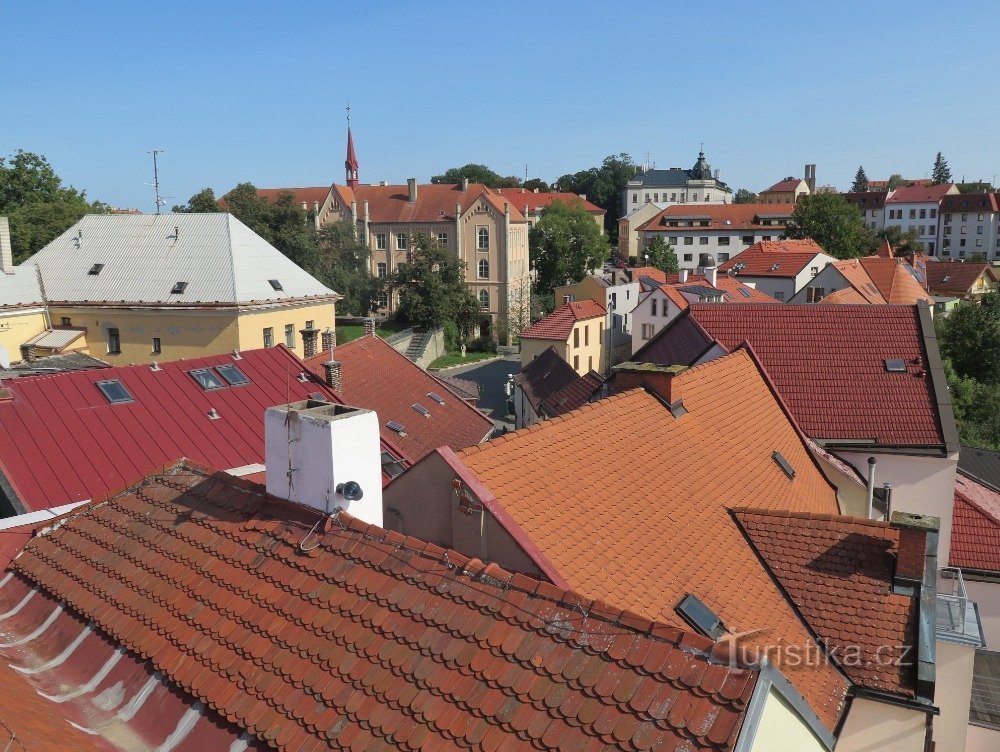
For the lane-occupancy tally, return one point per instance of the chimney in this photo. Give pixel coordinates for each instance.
(465, 184)
(411, 187)
(535, 191)
(325, 456)
(6, 252)
(309, 337)
(333, 375)
(316, 206)
(567, 299)
(711, 274)
(329, 339)
(305, 206)
(656, 379)
(583, 196)
(369, 327)
(810, 177)
(683, 275)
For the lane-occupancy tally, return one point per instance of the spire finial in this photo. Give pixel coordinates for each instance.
(348, 113)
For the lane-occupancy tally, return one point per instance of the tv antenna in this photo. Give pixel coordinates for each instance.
(160, 201)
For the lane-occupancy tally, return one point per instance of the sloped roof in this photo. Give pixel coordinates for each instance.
(920, 194)
(435, 202)
(849, 296)
(867, 199)
(378, 377)
(982, 465)
(144, 256)
(956, 277)
(364, 639)
(62, 441)
(666, 530)
(520, 197)
(20, 289)
(698, 287)
(572, 396)
(975, 526)
(719, 216)
(309, 196)
(69, 361)
(558, 325)
(773, 258)
(839, 351)
(544, 376)
(894, 280)
(785, 186)
(838, 571)
(970, 202)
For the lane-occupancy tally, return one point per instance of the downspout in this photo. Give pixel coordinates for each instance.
(871, 484)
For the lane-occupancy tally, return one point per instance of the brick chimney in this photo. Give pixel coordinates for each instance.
(411, 188)
(369, 327)
(325, 456)
(657, 379)
(333, 376)
(911, 558)
(329, 339)
(309, 338)
(6, 251)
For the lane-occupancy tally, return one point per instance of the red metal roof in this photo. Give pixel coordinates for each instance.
(363, 639)
(62, 441)
(379, 378)
(975, 526)
(558, 325)
(773, 258)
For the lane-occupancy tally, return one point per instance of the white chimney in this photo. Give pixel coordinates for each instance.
(411, 189)
(683, 275)
(6, 252)
(325, 456)
(711, 274)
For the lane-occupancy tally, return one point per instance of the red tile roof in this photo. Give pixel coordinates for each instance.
(975, 526)
(558, 325)
(520, 197)
(920, 194)
(895, 281)
(299, 195)
(785, 186)
(970, 202)
(573, 396)
(732, 217)
(665, 529)
(880, 185)
(435, 202)
(733, 291)
(774, 258)
(838, 571)
(956, 278)
(544, 376)
(363, 639)
(62, 441)
(838, 352)
(378, 377)
(867, 199)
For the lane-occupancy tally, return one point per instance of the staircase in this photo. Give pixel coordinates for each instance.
(416, 347)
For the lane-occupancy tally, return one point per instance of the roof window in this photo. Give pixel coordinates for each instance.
(206, 379)
(179, 288)
(744, 293)
(233, 375)
(391, 465)
(397, 427)
(114, 391)
(421, 409)
(96, 269)
(275, 284)
(700, 616)
(436, 397)
(895, 365)
(784, 464)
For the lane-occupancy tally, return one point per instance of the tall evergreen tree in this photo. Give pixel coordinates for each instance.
(860, 184)
(941, 173)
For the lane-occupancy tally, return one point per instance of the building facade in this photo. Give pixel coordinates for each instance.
(916, 208)
(699, 185)
(969, 223)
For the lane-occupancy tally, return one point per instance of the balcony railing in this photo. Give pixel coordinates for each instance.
(957, 617)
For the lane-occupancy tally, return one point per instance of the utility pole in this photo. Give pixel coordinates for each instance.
(160, 202)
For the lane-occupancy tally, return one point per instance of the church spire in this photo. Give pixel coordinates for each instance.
(351, 163)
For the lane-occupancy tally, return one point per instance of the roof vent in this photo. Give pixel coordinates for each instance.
(701, 617)
(213, 414)
(236, 355)
(155, 367)
(179, 288)
(303, 377)
(895, 365)
(677, 408)
(421, 409)
(436, 397)
(784, 464)
(397, 427)
(774, 267)
(275, 284)
(96, 269)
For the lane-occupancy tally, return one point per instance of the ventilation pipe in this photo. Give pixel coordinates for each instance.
(682, 275)
(6, 252)
(871, 484)
(887, 489)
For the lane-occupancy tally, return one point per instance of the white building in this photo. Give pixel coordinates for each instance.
(778, 268)
(699, 185)
(872, 206)
(916, 207)
(970, 223)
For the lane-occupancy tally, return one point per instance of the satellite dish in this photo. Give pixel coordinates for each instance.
(350, 490)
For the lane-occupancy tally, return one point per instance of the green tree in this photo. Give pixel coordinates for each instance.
(895, 180)
(565, 245)
(969, 336)
(343, 265)
(250, 208)
(940, 173)
(744, 196)
(903, 243)
(975, 186)
(977, 409)
(476, 173)
(660, 253)
(203, 202)
(538, 183)
(860, 184)
(833, 222)
(603, 186)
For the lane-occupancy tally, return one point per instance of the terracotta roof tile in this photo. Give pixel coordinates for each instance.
(975, 526)
(970, 202)
(665, 530)
(920, 194)
(838, 572)
(544, 376)
(365, 639)
(697, 287)
(719, 216)
(785, 186)
(435, 202)
(572, 396)
(309, 196)
(956, 278)
(378, 377)
(520, 197)
(558, 325)
(894, 281)
(773, 258)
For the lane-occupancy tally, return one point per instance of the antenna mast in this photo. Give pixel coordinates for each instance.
(160, 202)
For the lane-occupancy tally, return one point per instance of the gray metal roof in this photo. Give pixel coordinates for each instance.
(20, 289)
(55, 338)
(145, 255)
(73, 361)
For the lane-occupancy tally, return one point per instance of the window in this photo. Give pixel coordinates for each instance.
(381, 269)
(723, 256)
(701, 617)
(961, 243)
(600, 335)
(895, 365)
(673, 196)
(724, 240)
(965, 217)
(815, 294)
(179, 288)
(290, 335)
(707, 197)
(923, 213)
(156, 346)
(647, 198)
(586, 335)
(784, 464)
(401, 241)
(484, 299)
(947, 231)
(747, 240)
(647, 331)
(383, 300)
(652, 307)
(656, 197)
(232, 374)
(703, 241)
(979, 230)
(613, 300)
(380, 241)
(442, 238)
(778, 295)
(688, 257)
(933, 213)
(96, 269)
(309, 324)
(694, 197)
(689, 241)
(114, 391)
(635, 198)
(268, 336)
(207, 379)
(813, 271)
(275, 285)
(114, 342)
(590, 363)
(576, 338)
(436, 397)
(483, 238)
(484, 269)
(66, 321)
(766, 238)
(913, 213)
(576, 362)
(981, 216)
(421, 409)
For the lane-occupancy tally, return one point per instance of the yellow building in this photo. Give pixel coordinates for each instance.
(171, 286)
(22, 306)
(575, 330)
(786, 191)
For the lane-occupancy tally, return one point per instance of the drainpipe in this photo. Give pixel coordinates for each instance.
(871, 484)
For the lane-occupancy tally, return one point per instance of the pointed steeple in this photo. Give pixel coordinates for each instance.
(351, 163)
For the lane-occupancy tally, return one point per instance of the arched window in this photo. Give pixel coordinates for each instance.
(484, 269)
(483, 235)
(484, 298)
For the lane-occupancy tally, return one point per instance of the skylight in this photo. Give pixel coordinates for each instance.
(233, 375)
(895, 365)
(744, 293)
(700, 616)
(179, 288)
(275, 284)
(436, 397)
(784, 464)
(114, 391)
(96, 269)
(421, 409)
(391, 466)
(397, 427)
(207, 379)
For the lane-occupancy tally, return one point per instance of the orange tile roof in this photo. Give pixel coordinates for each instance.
(558, 325)
(975, 526)
(520, 197)
(435, 202)
(838, 571)
(377, 377)
(759, 260)
(919, 194)
(309, 196)
(720, 217)
(894, 281)
(733, 291)
(785, 186)
(956, 277)
(860, 282)
(663, 528)
(347, 636)
(847, 296)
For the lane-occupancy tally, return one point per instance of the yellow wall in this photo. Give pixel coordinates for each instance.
(589, 354)
(16, 328)
(782, 728)
(953, 693)
(252, 324)
(585, 289)
(880, 727)
(532, 348)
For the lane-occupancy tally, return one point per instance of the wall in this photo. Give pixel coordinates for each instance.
(878, 727)
(829, 278)
(666, 311)
(782, 288)
(951, 694)
(987, 598)
(628, 228)
(252, 324)
(981, 739)
(985, 240)
(591, 353)
(781, 728)
(715, 244)
(851, 497)
(16, 328)
(531, 348)
(524, 413)
(926, 226)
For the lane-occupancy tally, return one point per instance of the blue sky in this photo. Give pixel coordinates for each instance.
(256, 91)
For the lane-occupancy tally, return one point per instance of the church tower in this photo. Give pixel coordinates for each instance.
(351, 163)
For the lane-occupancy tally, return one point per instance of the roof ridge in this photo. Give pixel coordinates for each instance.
(844, 519)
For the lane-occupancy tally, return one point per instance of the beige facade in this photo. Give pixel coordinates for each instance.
(880, 726)
(17, 326)
(781, 727)
(584, 349)
(586, 289)
(629, 240)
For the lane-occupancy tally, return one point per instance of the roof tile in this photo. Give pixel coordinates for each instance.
(558, 325)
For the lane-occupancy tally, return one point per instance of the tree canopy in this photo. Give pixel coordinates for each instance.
(565, 244)
(660, 253)
(940, 173)
(903, 243)
(895, 181)
(833, 222)
(860, 184)
(203, 202)
(39, 206)
(603, 186)
(744, 196)
(476, 173)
